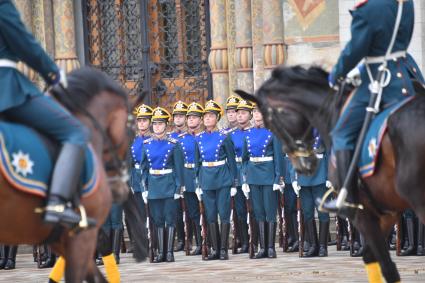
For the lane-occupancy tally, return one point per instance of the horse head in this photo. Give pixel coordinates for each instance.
(293, 101)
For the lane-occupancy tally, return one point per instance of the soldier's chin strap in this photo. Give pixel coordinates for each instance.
(377, 85)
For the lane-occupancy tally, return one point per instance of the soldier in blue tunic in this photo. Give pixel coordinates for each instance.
(217, 174)
(179, 121)
(231, 105)
(262, 157)
(371, 31)
(22, 102)
(188, 140)
(162, 180)
(309, 189)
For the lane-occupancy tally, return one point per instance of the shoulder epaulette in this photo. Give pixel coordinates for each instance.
(226, 132)
(147, 140)
(182, 134)
(170, 139)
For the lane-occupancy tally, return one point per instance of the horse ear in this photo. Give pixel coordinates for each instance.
(247, 96)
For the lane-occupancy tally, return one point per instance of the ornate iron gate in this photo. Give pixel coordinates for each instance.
(160, 46)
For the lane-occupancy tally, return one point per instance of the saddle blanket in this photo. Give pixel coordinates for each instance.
(27, 163)
(373, 139)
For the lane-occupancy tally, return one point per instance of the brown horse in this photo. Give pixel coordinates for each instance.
(296, 97)
(101, 104)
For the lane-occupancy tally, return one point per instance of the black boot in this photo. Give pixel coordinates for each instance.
(262, 237)
(180, 235)
(410, 250)
(64, 186)
(421, 248)
(311, 237)
(244, 237)
(160, 242)
(294, 224)
(255, 235)
(271, 234)
(323, 238)
(11, 258)
(50, 258)
(359, 252)
(99, 260)
(213, 232)
(4, 250)
(198, 241)
(343, 160)
(224, 246)
(116, 243)
(170, 244)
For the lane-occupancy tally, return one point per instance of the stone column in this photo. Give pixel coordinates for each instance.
(243, 51)
(64, 26)
(257, 41)
(218, 59)
(273, 35)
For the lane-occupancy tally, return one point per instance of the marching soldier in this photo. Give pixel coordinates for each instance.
(309, 189)
(8, 257)
(23, 102)
(216, 175)
(162, 180)
(262, 169)
(179, 121)
(231, 115)
(188, 140)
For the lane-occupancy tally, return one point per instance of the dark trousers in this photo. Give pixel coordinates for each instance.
(264, 203)
(192, 205)
(308, 195)
(240, 205)
(163, 211)
(217, 201)
(114, 220)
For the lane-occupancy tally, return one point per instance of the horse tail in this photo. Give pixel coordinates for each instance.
(137, 221)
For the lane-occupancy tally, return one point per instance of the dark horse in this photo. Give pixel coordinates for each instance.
(101, 104)
(296, 97)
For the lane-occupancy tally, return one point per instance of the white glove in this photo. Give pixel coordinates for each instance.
(276, 187)
(199, 193)
(233, 192)
(63, 79)
(296, 188)
(177, 196)
(183, 189)
(145, 196)
(354, 77)
(328, 184)
(282, 186)
(245, 190)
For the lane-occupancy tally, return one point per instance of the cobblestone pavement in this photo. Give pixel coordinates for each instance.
(338, 267)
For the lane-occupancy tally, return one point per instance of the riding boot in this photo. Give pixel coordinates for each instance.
(116, 243)
(393, 240)
(359, 252)
(271, 234)
(170, 244)
(244, 237)
(224, 237)
(11, 258)
(255, 235)
(198, 240)
(50, 258)
(343, 160)
(421, 248)
(64, 186)
(160, 241)
(99, 260)
(4, 250)
(180, 236)
(311, 237)
(212, 229)
(262, 237)
(294, 224)
(323, 238)
(410, 250)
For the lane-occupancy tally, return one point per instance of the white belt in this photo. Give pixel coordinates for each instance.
(189, 165)
(380, 59)
(160, 172)
(213, 163)
(6, 63)
(238, 159)
(261, 159)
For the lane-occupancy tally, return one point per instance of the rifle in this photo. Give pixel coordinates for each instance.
(150, 230)
(300, 219)
(398, 236)
(234, 221)
(283, 235)
(251, 225)
(186, 225)
(203, 231)
(338, 233)
(350, 236)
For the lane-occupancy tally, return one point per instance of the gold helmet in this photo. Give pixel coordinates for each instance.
(143, 111)
(245, 105)
(180, 108)
(232, 102)
(195, 109)
(213, 107)
(160, 115)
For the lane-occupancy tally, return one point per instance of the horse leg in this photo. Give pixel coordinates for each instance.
(94, 275)
(373, 269)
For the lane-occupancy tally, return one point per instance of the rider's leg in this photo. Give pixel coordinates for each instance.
(50, 118)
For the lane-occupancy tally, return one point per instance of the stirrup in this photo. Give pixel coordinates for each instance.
(344, 204)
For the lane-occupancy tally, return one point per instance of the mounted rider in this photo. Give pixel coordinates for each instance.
(381, 32)
(22, 102)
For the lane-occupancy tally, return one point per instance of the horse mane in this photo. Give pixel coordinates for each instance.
(83, 85)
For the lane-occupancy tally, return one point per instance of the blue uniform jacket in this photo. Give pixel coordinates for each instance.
(136, 155)
(189, 146)
(216, 146)
(238, 138)
(371, 31)
(260, 142)
(286, 169)
(17, 44)
(159, 154)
